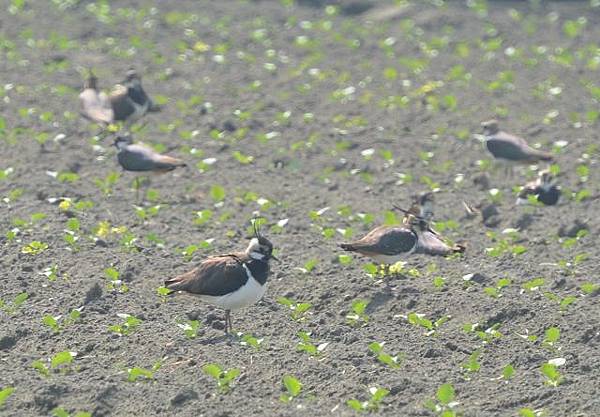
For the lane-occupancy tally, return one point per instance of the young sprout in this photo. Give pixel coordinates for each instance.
(358, 317)
(61, 412)
(419, 320)
(472, 365)
(494, 292)
(133, 374)
(34, 248)
(373, 403)
(114, 283)
(553, 376)
(297, 310)
(445, 404)
(552, 335)
(189, 327)
(306, 345)
(128, 326)
(16, 303)
(293, 388)
(223, 378)
(5, 393)
(385, 358)
(508, 372)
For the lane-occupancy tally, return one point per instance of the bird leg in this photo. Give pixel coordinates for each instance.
(228, 325)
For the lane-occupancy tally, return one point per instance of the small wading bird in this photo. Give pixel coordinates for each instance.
(126, 102)
(141, 158)
(231, 281)
(509, 148)
(387, 245)
(543, 189)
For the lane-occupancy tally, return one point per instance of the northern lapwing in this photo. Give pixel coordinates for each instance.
(510, 148)
(544, 189)
(430, 241)
(136, 157)
(231, 281)
(95, 104)
(128, 100)
(387, 245)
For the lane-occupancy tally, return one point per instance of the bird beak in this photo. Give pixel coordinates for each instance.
(275, 258)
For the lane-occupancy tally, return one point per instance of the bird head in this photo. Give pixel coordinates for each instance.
(490, 127)
(91, 81)
(260, 248)
(122, 140)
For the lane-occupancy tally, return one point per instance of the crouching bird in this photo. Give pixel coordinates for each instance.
(137, 157)
(232, 281)
(543, 190)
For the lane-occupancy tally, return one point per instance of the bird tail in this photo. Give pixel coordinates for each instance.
(347, 247)
(544, 156)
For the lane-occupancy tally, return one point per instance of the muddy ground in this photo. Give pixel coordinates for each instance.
(383, 103)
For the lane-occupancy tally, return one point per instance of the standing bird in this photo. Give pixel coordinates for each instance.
(231, 281)
(141, 158)
(95, 104)
(543, 189)
(510, 148)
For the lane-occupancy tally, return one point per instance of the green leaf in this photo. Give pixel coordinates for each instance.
(552, 335)
(136, 372)
(526, 412)
(508, 371)
(213, 370)
(41, 367)
(217, 193)
(355, 405)
(292, 385)
(445, 394)
(20, 299)
(61, 358)
(60, 412)
(5, 393)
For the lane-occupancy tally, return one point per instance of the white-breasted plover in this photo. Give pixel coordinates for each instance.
(95, 104)
(231, 281)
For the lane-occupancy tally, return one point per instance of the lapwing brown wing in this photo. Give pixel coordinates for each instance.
(543, 189)
(232, 281)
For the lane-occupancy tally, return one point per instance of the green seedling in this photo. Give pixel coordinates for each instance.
(223, 378)
(163, 292)
(127, 242)
(293, 388)
(62, 358)
(217, 193)
(589, 288)
(508, 372)
(15, 304)
(472, 365)
(534, 284)
(249, 340)
(439, 282)
(485, 335)
(61, 412)
(444, 403)
(189, 327)
(114, 283)
(135, 373)
(41, 367)
(553, 377)
(129, 325)
(54, 321)
(145, 213)
(358, 317)
(306, 344)
(563, 303)
(419, 320)
(528, 412)
(107, 184)
(495, 292)
(385, 358)
(372, 404)
(309, 265)
(5, 393)
(34, 248)
(203, 217)
(552, 335)
(297, 310)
